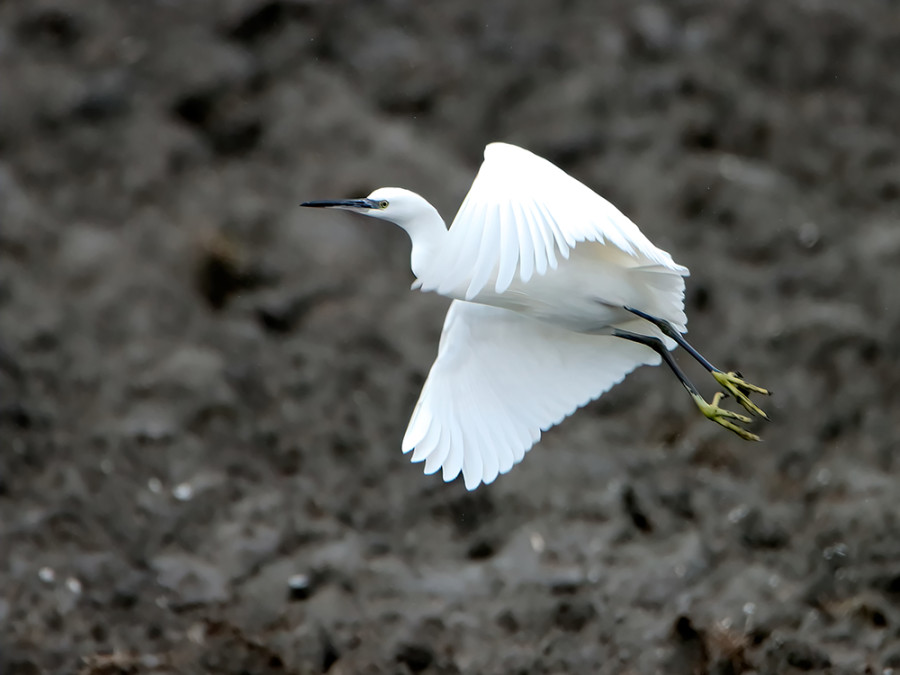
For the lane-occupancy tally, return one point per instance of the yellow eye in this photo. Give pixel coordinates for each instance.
(383, 204)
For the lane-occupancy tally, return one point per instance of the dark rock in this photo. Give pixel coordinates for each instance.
(9, 365)
(16, 414)
(18, 666)
(416, 656)
(107, 97)
(573, 615)
(224, 270)
(892, 658)
(758, 531)
(330, 653)
(691, 654)
(481, 550)
(197, 107)
(679, 502)
(796, 654)
(469, 512)
(283, 313)
(262, 19)
(236, 136)
(51, 27)
(259, 21)
(634, 510)
(300, 587)
(507, 621)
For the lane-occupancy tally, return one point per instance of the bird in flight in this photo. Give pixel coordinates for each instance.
(557, 296)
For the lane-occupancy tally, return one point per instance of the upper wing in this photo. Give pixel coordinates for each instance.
(520, 211)
(500, 378)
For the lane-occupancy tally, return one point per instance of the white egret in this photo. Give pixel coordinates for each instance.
(557, 296)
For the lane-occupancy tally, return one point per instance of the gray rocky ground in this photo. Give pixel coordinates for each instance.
(203, 387)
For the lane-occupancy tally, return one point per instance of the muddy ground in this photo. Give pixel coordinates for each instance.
(203, 387)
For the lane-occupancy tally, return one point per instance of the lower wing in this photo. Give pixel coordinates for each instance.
(501, 378)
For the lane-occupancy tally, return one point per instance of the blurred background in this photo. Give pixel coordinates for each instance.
(203, 387)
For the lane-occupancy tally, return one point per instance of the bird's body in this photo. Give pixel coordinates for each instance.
(532, 239)
(557, 296)
(587, 292)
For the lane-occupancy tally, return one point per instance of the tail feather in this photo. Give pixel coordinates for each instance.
(667, 289)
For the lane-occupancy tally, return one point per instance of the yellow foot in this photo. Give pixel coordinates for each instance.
(735, 385)
(722, 416)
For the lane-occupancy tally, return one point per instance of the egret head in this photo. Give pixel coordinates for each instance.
(394, 204)
(420, 219)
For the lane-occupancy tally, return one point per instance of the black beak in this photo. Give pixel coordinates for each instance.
(346, 204)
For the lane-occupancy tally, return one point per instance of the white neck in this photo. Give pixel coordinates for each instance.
(426, 231)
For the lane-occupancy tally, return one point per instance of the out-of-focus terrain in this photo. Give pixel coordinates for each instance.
(203, 387)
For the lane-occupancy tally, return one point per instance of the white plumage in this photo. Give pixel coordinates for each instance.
(523, 213)
(501, 378)
(544, 274)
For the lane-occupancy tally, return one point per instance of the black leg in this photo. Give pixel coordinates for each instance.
(710, 410)
(657, 345)
(668, 331)
(733, 383)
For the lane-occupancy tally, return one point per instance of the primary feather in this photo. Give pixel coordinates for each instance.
(499, 380)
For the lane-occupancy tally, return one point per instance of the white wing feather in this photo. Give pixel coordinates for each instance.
(501, 378)
(520, 212)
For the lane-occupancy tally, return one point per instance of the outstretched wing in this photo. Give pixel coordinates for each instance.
(501, 378)
(522, 211)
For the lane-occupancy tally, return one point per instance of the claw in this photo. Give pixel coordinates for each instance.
(721, 416)
(739, 388)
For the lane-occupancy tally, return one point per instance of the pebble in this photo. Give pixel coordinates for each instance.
(300, 586)
(183, 492)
